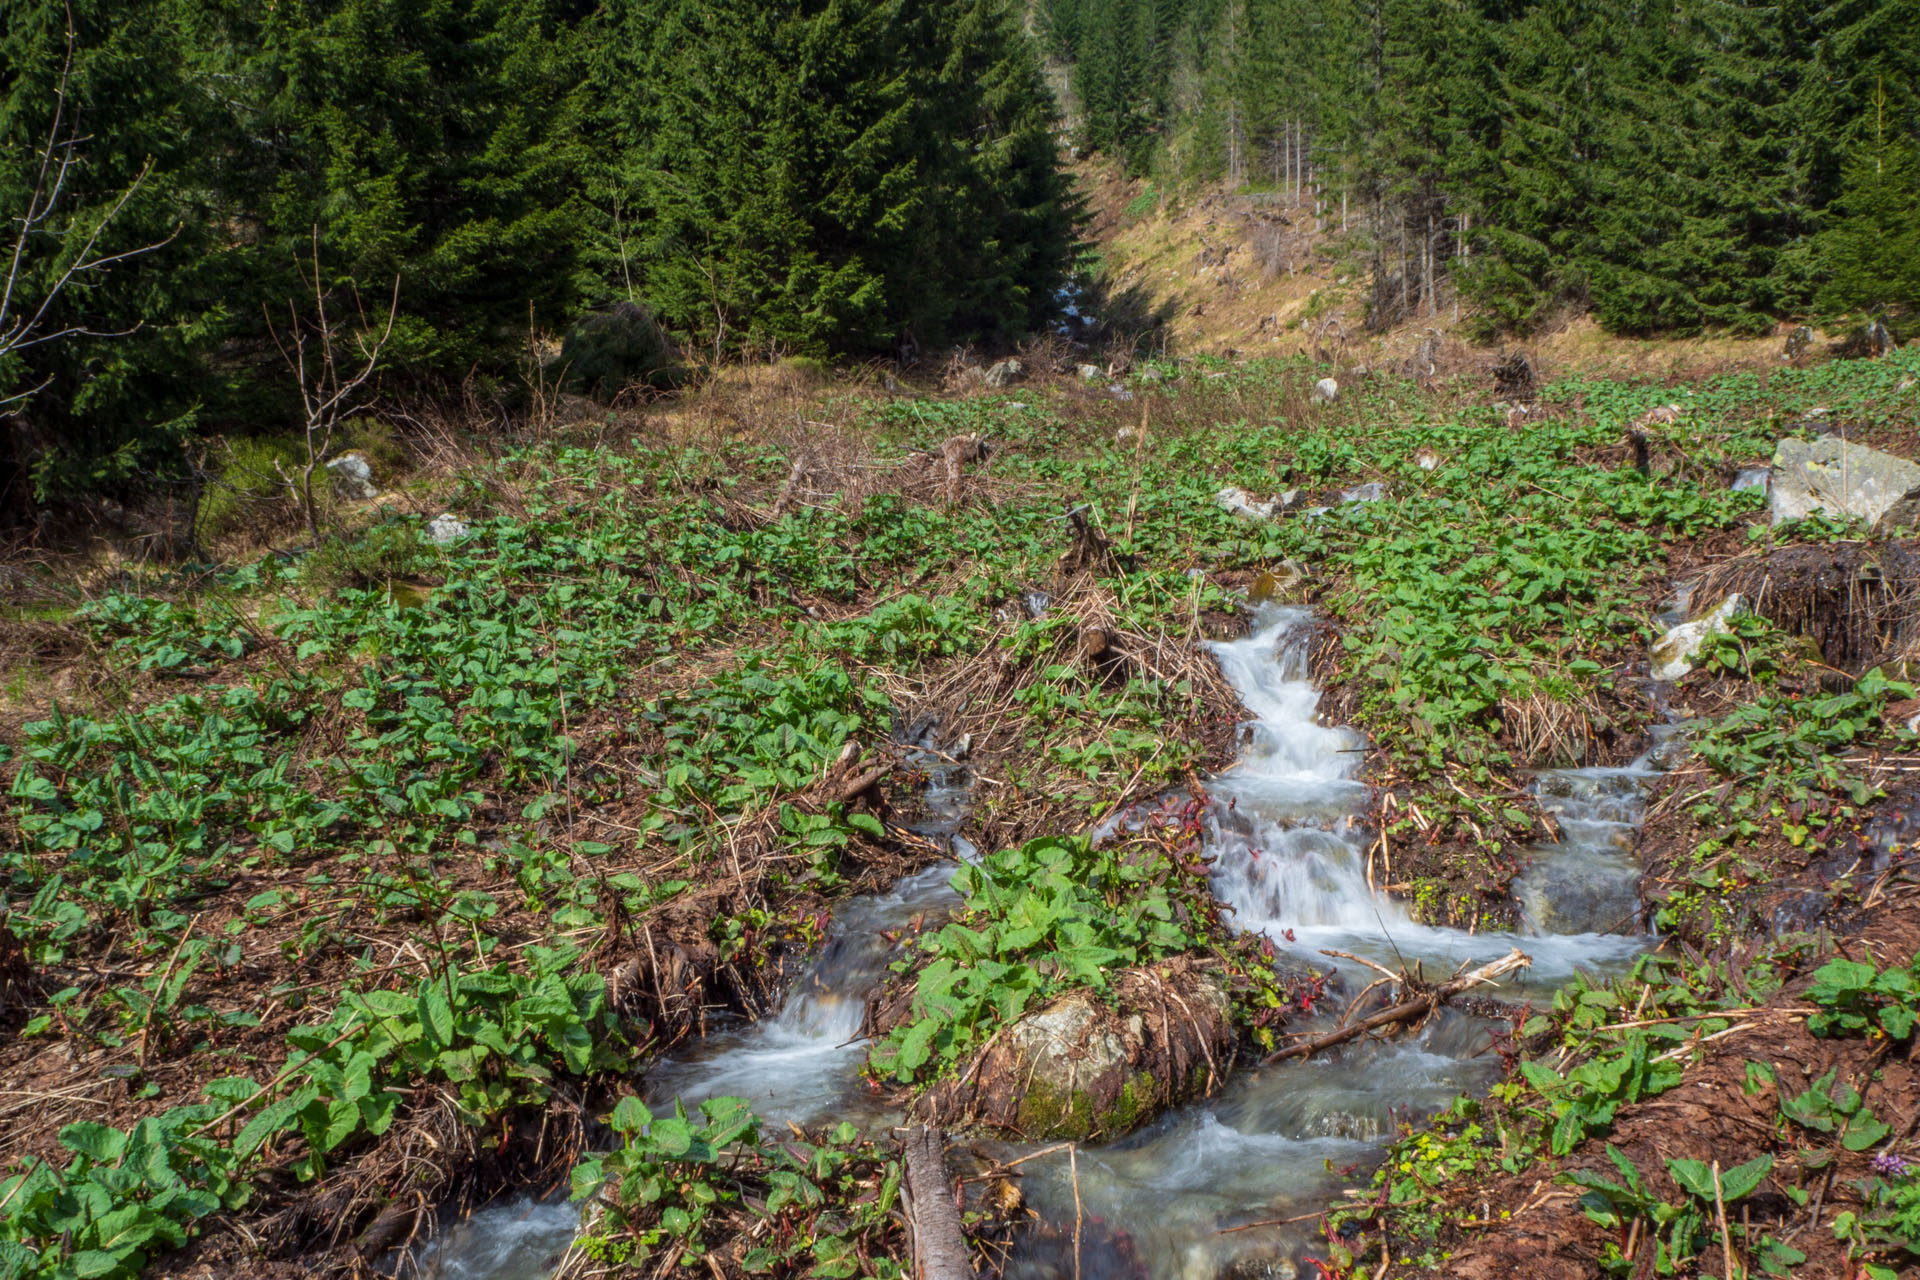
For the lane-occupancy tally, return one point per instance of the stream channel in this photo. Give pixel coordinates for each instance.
(1288, 838)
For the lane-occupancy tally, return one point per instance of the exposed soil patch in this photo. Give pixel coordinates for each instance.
(1717, 1115)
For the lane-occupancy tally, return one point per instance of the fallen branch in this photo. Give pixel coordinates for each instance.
(939, 1246)
(1407, 1010)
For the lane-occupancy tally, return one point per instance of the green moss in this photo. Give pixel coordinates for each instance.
(1049, 1114)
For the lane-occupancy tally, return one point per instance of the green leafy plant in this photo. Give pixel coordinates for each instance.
(1681, 1229)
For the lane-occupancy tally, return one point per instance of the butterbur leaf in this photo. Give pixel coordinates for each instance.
(630, 1116)
(672, 1135)
(90, 1263)
(437, 1015)
(1865, 1130)
(1695, 1176)
(97, 1142)
(916, 1047)
(1742, 1179)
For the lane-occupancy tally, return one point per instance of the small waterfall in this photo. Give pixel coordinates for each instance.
(803, 1064)
(1288, 836)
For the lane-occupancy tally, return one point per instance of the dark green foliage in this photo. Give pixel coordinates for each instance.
(819, 176)
(1871, 248)
(613, 348)
(829, 176)
(109, 407)
(1699, 164)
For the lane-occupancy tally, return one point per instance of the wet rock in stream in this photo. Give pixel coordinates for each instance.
(1088, 1065)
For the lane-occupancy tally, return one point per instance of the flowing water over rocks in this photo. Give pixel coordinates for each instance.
(1289, 845)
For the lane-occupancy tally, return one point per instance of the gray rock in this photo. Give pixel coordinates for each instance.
(1088, 372)
(1579, 891)
(1371, 491)
(1902, 517)
(353, 476)
(1674, 652)
(447, 528)
(1839, 478)
(1241, 503)
(1326, 391)
(1752, 478)
(1005, 374)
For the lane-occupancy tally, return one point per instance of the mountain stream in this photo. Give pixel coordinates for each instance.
(1289, 838)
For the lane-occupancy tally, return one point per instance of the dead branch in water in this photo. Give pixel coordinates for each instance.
(1407, 1010)
(939, 1245)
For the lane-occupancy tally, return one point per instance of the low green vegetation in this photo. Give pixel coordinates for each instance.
(323, 845)
(1050, 916)
(686, 1187)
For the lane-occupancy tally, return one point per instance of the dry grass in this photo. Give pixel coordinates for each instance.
(1855, 600)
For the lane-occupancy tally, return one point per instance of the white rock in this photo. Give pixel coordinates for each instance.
(1241, 503)
(447, 528)
(353, 476)
(1326, 391)
(1837, 477)
(1674, 652)
(1005, 374)
(1088, 372)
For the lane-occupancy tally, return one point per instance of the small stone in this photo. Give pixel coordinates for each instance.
(1674, 652)
(447, 528)
(1005, 374)
(353, 476)
(1326, 391)
(1372, 491)
(1088, 372)
(1241, 503)
(1426, 459)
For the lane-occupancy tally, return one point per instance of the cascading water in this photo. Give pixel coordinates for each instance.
(1288, 843)
(1289, 856)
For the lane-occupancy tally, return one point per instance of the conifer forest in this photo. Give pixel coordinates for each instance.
(960, 639)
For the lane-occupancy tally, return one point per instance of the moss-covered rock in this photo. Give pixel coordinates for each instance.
(1094, 1064)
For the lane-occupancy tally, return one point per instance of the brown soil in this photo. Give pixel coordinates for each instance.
(1855, 600)
(1530, 1224)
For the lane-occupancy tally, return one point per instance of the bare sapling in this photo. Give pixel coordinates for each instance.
(335, 366)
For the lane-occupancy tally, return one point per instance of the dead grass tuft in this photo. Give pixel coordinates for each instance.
(1855, 600)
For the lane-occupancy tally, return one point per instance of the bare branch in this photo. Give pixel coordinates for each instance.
(21, 322)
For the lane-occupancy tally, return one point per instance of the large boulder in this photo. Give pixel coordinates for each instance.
(1005, 374)
(1838, 478)
(1088, 1065)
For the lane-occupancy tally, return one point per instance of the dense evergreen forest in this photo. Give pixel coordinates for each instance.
(199, 192)
(806, 177)
(1672, 166)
